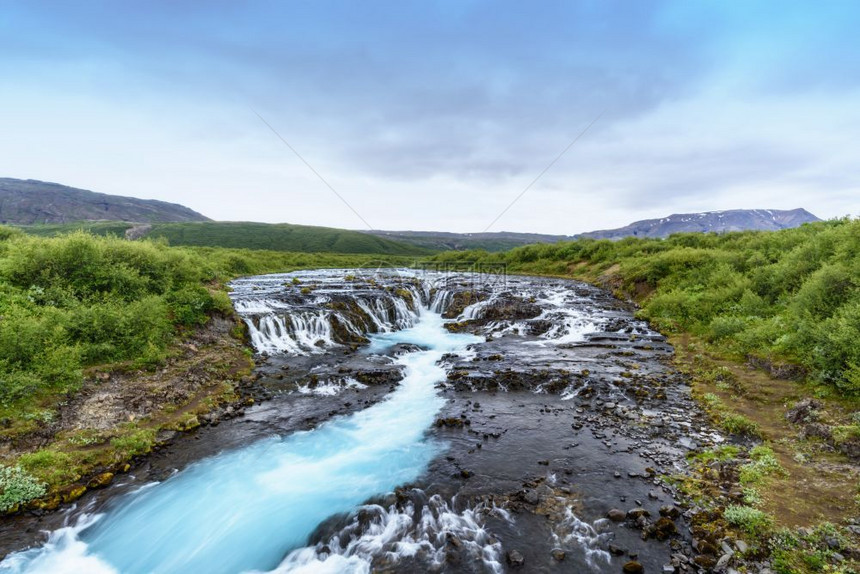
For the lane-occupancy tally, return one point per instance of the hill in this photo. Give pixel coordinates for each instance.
(26, 202)
(280, 237)
(712, 221)
(443, 241)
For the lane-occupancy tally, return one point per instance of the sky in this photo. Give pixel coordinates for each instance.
(438, 115)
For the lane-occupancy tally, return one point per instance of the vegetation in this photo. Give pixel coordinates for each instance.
(244, 235)
(789, 296)
(80, 300)
(751, 520)
(17, 486)
(82, 303)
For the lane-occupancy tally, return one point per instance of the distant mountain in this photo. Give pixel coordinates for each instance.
(27, 202)
(711, 221)
(443, 241)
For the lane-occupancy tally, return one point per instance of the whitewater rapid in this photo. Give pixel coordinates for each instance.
(245, 510)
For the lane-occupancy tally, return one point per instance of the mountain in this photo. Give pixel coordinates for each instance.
(443, 241)
(711, 221)
(27, 202)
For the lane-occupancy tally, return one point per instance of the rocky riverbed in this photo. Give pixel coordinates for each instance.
(558, 423)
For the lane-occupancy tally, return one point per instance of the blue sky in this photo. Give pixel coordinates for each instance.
(436, 115)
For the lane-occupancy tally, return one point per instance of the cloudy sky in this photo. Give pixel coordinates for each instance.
(438, 114)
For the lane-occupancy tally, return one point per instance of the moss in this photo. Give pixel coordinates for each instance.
(54, 467)
(133, 442)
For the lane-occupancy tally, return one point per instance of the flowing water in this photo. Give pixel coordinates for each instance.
(245, 510)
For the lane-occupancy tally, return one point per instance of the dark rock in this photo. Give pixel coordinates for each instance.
(664, 528)
(616, 515)
(633, 567)
(635, 513)
(804, 411)
(515, 559)
(816, 430)
(704, 561)
(558, 555)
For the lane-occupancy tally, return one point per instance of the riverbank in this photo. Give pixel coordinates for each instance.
(121, 414)
(799, 510)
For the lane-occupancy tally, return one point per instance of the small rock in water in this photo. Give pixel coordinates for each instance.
(558, 555)
(633, 567)
(616, 515)
(515, 559)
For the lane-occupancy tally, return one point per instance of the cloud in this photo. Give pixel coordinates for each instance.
(436, 115)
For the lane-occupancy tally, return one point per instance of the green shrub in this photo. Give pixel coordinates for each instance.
(738, 424)
(18, 486)
(763, 464)
(751, 520)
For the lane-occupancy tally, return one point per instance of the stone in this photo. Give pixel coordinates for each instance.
(664, 528)
(635, 513)
(723, 561)
(668, 569)
(804, 410)
(558, 555)
(73, 492)
(633, 567)
(616, 515)
(100, 480)
(670, 511)
(515, 559)
(616, 550)
(742, 546)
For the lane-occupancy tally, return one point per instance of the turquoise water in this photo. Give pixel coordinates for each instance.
(244, 510)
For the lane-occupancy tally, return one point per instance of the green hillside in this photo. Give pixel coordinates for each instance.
(247, 235)
(279, 237)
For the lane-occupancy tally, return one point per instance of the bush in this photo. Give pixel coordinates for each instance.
(751, 520)
(763, 464)
(738, 424)
(17, 486)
